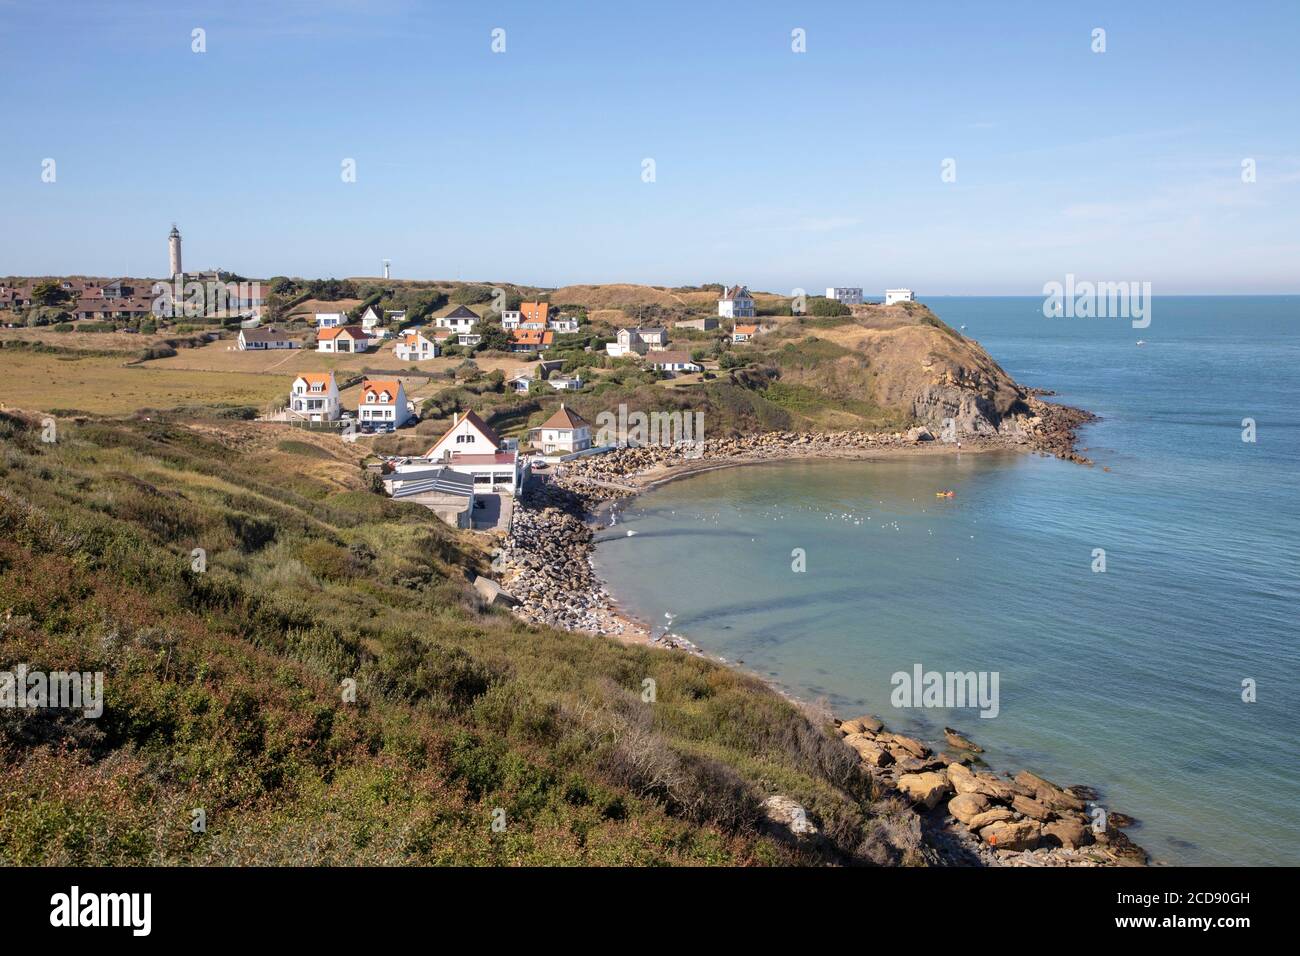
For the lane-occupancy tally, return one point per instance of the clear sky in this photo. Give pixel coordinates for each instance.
(778, 169)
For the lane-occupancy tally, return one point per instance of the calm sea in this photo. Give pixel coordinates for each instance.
(1131, 679)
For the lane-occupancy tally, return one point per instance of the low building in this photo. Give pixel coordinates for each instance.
(331, 320)
(743, 333)
(342, 338)
(898, 295)
(673, 362)
(521, 381)
(315, 397)
(251, 340)
(563, 324)
(565, 383)
(448, 494)
(706, 324)
(736, 303)
(845, 295)
(564, 433)
(383, 402)
(415, 347)
(531, 340)
(471, 447)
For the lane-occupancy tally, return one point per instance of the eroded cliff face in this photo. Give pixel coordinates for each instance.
(933, 373)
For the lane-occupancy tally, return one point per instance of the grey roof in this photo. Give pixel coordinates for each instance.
(461, 312)
(428, 480)
(269, 334)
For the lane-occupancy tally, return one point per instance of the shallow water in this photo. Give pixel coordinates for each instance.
(1129, 680)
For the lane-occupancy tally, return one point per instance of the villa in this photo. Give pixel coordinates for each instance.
(383, 402)
(460, 320)
(564, 433)
(415, 347)
(315, 397)
(471, 447)
(736, 303)
(342, 338)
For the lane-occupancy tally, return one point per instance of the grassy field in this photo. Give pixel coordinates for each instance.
(223, 686)
(103, 384)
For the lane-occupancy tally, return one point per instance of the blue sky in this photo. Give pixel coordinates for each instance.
(773, 168)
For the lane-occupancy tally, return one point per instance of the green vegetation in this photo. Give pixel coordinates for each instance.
(223, 686)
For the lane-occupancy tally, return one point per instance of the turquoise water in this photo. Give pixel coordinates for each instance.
(1128, 680)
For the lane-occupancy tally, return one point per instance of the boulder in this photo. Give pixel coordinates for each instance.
(1067, 832)
(966, 806)
(493, 594)
(862, 725)
(920, 433)
(996, 815)
(784, 812)
(869, 750)
(966, 781)
(925, 788)
(960, 742)
(1012, 835)
(1031, 808)
(909, 744)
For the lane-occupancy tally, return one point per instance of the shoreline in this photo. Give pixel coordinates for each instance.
(990, 820)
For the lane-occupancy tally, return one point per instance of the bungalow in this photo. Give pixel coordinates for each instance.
(395, 316)
(415, 347)
(736, 303)
(743, 333)
(315, 396)
(673, 362)
(264, 338)
(342, 338)
(563, 324)
(443, 337)
(565, 383)
(383, 402)
(521, 381)
(448, 494)
(531, 340)
(564, 433)
(899, 295)
(468, 339)
(471, 447)
(459, 319)
(330, 320)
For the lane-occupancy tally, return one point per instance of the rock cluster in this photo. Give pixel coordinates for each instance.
(1023, 820)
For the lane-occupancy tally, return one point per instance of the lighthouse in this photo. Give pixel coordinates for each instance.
(174, 250)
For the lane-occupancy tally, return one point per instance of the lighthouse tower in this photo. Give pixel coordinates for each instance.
(174, 250)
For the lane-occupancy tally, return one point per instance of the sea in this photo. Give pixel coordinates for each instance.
(1140, 618)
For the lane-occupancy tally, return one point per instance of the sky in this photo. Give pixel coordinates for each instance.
(779, 169)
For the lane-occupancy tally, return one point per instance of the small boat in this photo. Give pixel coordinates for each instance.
(945, 494)
(1142, 342)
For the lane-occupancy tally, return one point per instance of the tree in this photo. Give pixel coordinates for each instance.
(50, 292)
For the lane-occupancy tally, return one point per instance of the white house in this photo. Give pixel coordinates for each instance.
(673, 362)
(472, 448)
(510, 319)
(522, 380)
(564, 433)
(396, 316)
(845, 295)
(330, 320)
(371, 319)
(448, 494)
(268, 338)
(459, 320)
(743, 333)
(736, 303)
(898, 295)
(415, 347)
(383, 402)
(565, 383)
(563, 324)
(342, 338)
(638, 341)
(315, 396)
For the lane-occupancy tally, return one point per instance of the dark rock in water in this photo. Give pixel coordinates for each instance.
(1119, 820)
(1084, 792)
